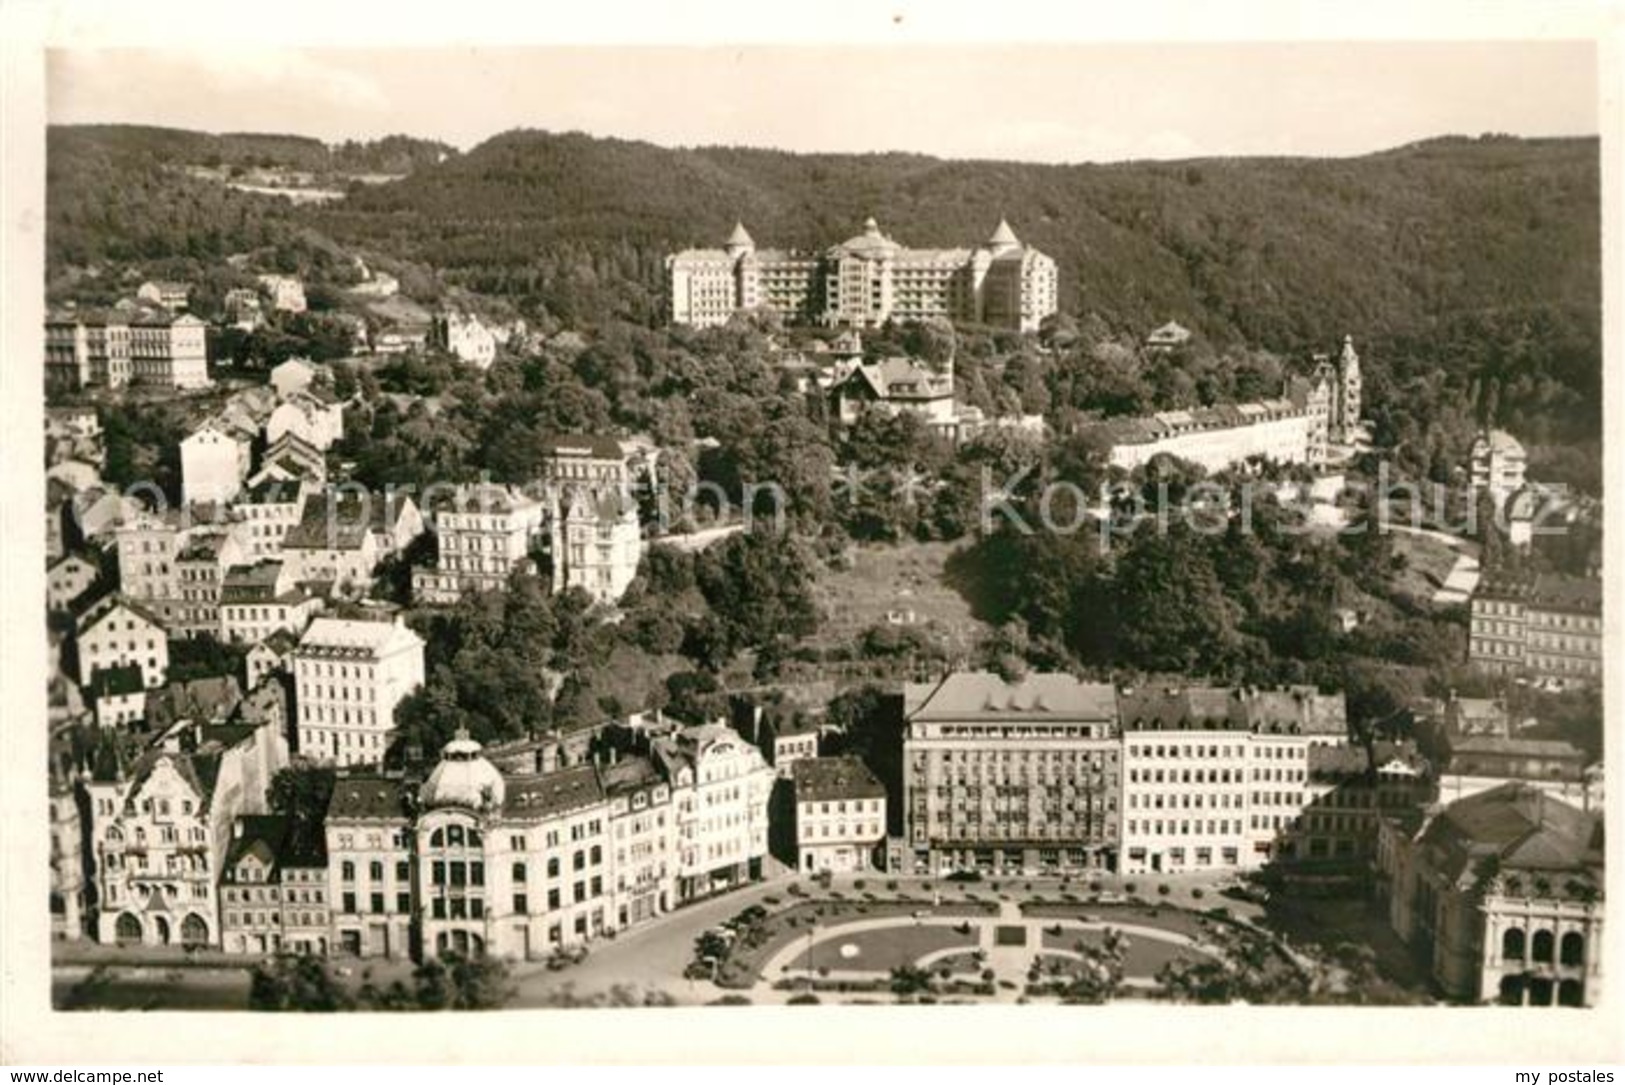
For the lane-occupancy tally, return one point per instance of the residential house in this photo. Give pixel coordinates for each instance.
(261, 599)
(283, 293)
(198, 700)
(312, 415)
(293, 375)
(269, 511)
(120, 632)
(200, 568)
(273, 655)
(370, 868)
(119, 696)
(463, 335)
(214, 462)
(165, 293)
(597, 543)
(840, 815)
(274, 886)
(67, 580)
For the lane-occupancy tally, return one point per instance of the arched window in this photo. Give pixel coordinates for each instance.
(194, 932)
(437, 839)
(1541, 947)
(474, 838)
(454, 835)
(128, 929)
(1512, 945)
(1573, 949)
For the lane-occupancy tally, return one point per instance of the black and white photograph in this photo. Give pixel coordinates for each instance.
(999, 524)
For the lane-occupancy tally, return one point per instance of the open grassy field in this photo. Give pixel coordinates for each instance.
(900, 585)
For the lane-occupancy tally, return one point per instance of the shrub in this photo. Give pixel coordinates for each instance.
(805, 998)
(891, 886)
(1197, 894)
(1131, 888)
(1095, 886)
(858, 884)
(1163, 890)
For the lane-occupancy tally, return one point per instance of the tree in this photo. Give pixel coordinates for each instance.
(1099, 976)
(302, 792)
(456, 982)
(296, 983)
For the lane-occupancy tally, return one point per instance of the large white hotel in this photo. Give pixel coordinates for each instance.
(864, 282)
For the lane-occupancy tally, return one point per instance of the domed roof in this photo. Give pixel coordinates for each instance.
(870, 241)
(462, 778)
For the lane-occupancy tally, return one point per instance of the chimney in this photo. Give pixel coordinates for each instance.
(237, 829)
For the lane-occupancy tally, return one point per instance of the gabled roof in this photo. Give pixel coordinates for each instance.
(1002, 236)
(111, 604)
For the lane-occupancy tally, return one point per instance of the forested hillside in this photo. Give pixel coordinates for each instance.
(1273, 251)
(1467, 269)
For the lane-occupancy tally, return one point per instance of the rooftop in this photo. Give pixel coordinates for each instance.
(985, 696)
(819, 779)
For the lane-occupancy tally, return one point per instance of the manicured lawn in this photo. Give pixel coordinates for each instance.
(785, 926)
(1170, 919)
(1142, 957)
(881, 950)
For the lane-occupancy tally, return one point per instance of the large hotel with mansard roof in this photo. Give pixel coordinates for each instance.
(864, 282)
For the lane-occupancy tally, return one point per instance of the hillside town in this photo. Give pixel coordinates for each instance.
(355, 660)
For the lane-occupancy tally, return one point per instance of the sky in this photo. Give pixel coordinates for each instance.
(1057, 103)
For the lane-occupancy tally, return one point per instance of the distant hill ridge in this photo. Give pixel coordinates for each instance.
(1276, 252)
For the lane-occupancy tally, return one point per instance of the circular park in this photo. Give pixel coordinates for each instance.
(951, 942)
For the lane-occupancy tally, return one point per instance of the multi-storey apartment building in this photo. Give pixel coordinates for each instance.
(722, 786)
(582, 462)
(168, 351)
(483, 535)
(1216, 437)
(370, 872)
(149, 543)
(260, 599)
(273, 887)
(1219, 777)
(348, 678)
(1001, 776)
(200, 568)
(840, 815)
(1352, 788)
(1501, 896)
(269, 511)
(118, 632)
(865, 281)
(68, 896)
(643, 828)
(597, 543)
(85, 349)
(1547, 627)
(1497, 464)
(160, 830)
